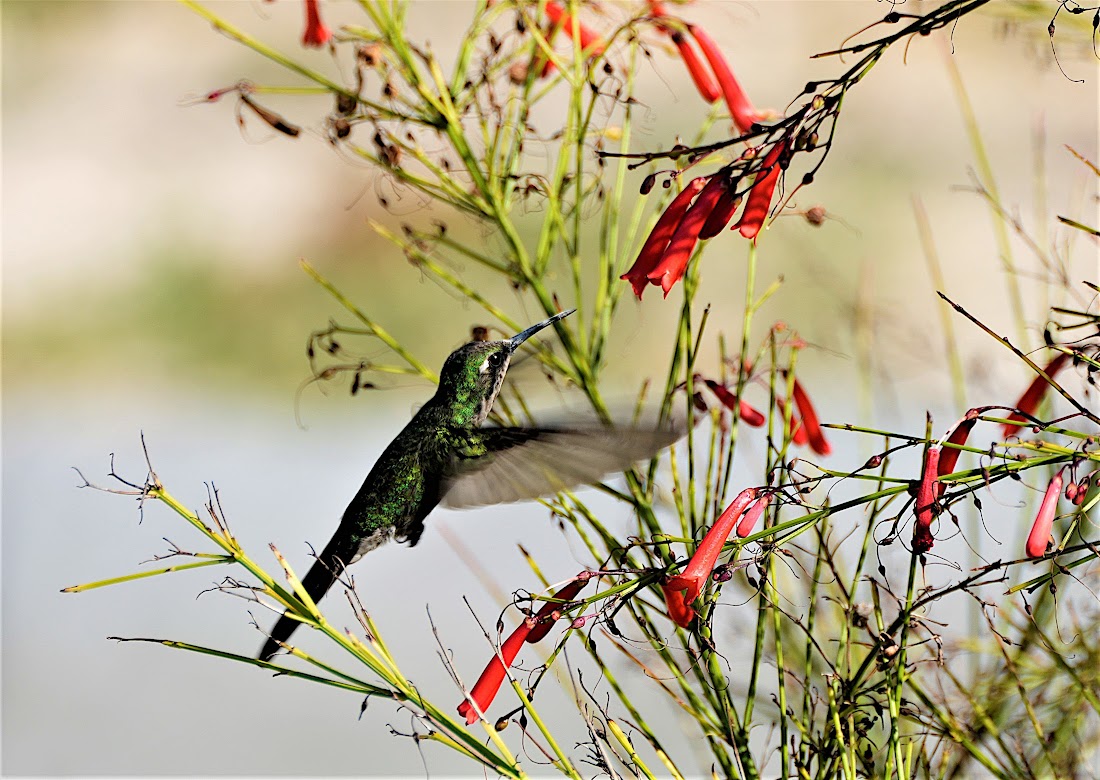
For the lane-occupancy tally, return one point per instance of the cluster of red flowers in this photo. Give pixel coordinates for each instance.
(707, 204)
(531, 629)
(940, 461)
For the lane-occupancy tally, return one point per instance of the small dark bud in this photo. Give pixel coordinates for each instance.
(342, 128)
(523, 720)
(501, 724)
(647, 184)
(676, 151)
(722, 574)
(874, 462)
(892, 18)
(370, 55)
(810, 87)
(345, 104)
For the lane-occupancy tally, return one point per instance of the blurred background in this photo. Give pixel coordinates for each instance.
(151, 285)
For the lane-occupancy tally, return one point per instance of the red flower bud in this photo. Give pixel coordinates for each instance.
(1031, 398)
(752, 517)
(926, 501)
(654, 246)
(814, 433)
(748, 414)
(798, 430)
(316, 34)
(1039, 537)
(950, 456)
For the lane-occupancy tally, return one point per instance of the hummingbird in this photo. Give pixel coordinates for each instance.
(446, 454)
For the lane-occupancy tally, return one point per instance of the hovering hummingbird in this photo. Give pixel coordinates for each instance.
(445, 455)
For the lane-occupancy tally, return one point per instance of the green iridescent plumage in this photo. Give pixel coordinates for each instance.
(445, 455)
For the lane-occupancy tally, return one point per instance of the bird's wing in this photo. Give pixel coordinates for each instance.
(499, 465)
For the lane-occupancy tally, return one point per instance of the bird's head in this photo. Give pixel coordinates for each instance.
(472, 375)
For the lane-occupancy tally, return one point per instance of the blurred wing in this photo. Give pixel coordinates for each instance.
(499, 465)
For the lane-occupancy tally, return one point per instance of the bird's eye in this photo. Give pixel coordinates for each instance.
(496, 359)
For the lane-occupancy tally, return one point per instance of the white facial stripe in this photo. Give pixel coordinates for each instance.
(484, 366)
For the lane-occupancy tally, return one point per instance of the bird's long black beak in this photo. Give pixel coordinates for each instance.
(521, 337)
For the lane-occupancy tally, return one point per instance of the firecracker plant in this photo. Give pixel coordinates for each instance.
(850, 675)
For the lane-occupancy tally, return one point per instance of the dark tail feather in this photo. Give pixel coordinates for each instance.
(322, 575)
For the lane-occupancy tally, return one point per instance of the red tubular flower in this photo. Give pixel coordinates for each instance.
(659, 237)
(723, 212)
(798, 430)
(1039, 537)
(316, 34)
(752, 517)
(703, 81)
(545, 618)
(1031, 398)
(926, 501)
(680, 611)
(738, 103)
(951, 456)
(760, 196)
(690, 581)
(748, 414)
(675, 259)
(487, 685)
(590, 41)
(810, 422)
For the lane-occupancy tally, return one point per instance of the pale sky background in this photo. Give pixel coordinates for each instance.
(150, 283)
